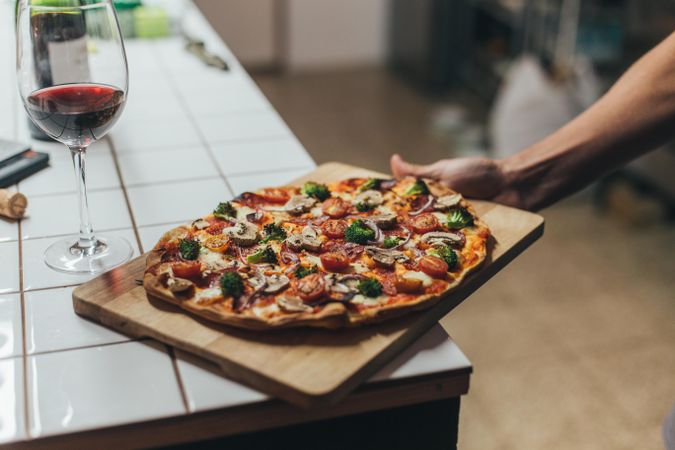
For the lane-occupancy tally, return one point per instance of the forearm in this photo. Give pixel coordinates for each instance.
(635, 116)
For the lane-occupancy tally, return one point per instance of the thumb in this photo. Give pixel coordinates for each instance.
(401, 168)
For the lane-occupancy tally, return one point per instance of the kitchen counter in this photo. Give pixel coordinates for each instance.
(190, 136)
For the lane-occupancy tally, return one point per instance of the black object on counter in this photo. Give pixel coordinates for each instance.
(18, 162)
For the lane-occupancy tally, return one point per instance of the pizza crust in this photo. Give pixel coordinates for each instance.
(332, 316)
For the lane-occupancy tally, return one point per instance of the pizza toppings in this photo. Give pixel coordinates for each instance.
(187, 269)
(302, 271)
(392, 241)
(370, 287)
(446, 202)
(231, 284)
(311, 288)
(408, 285)
(243, 233)
(273, 232)
(459, 218)
(424, 223)
(426, 200)
(367, 200)
(293, 304)
(419, 187)
(189, 249)
(316, 190)
(276, 283)
(308, 239)
(386, 257)
(433, 266)
(200, 224)
(384, 221)
(225, 210)
(334, 229)
(299, 204)
(263, 255)
(446, 254)
(443, 238)
(335, 207)
(334, 261)
(359, 233)
(218, 243)
(275, 195)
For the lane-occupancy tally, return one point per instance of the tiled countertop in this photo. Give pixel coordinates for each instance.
(186, 128)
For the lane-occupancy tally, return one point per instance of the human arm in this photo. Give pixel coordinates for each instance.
(636, 115)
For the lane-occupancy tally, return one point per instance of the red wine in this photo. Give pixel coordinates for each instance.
(76, 114)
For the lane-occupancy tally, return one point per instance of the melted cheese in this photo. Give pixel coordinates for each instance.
(426, 279)
(360, 299)
(265, 311)
(243, 211)
(360, 268)
(214, 260)
(207, 294)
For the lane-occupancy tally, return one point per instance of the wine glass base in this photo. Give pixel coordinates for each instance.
(66, 255)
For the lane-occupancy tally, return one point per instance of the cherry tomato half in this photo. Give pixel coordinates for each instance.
(433, 266)
(275, 195)
(187, 269)
(334, 261)
(311, 287)
(424, 223)
(335, 207)
(218, 243)
(334, 229)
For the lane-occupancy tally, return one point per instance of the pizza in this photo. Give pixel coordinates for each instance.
(348, 253)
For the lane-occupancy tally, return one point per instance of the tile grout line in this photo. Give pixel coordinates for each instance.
(24, 350)
(176, 371)
(113, 152)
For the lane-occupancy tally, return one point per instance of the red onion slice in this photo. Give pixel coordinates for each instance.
(379, 236)
(405, 240)
(430, 200)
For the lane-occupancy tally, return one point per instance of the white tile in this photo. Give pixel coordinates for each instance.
(9, 267)
(12, 425)
(60, 177)
(10, 326)
(150, 235)
(242, 126)
(243, 183)
(55, 215)
(37, 275)
(176, 202)
(207, 388)
(101, 387)
(9, 230)
(51, 323)
(153, 133)
(187, 163)
(261, 156)
(224, 98)
(432, 353)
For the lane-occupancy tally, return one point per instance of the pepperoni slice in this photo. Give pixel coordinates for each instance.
(187, 269)
(334, 229)
(433, 266)
(311, 287)
(275, 195)
(335, 207)
(424, 223)
(334, 261)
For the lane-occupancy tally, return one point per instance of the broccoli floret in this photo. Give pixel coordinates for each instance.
(316, 190)
(364, 207)
(371, 183)
(417, 188)
(264, 255)
(370, 287)
(225, 210)
(446, 254)
(273, 232)
(302, 271)
(391, 241)
(459, 218)
(231, 284)
(189, 249)
(359, 233)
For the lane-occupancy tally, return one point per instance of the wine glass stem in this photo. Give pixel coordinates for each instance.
(86, 239)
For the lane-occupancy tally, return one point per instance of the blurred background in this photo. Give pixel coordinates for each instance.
(574, 344)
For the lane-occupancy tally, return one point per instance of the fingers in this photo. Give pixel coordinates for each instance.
(401, 168)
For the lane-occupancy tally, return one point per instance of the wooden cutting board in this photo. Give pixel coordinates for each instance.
(306, 367)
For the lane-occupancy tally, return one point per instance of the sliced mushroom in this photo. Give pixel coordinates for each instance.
(447, 201)
(294, 242)
(310, 239)
(178, 285)
(370, 197)
(299, 204)
(293, 304)
(243, 233)
(384, 221)
(442, 238)
(200, 224)
(386, 257)
(276, 283)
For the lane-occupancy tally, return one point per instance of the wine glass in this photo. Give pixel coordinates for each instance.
(73, 81)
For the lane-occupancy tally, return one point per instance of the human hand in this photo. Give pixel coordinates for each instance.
(475, 177)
